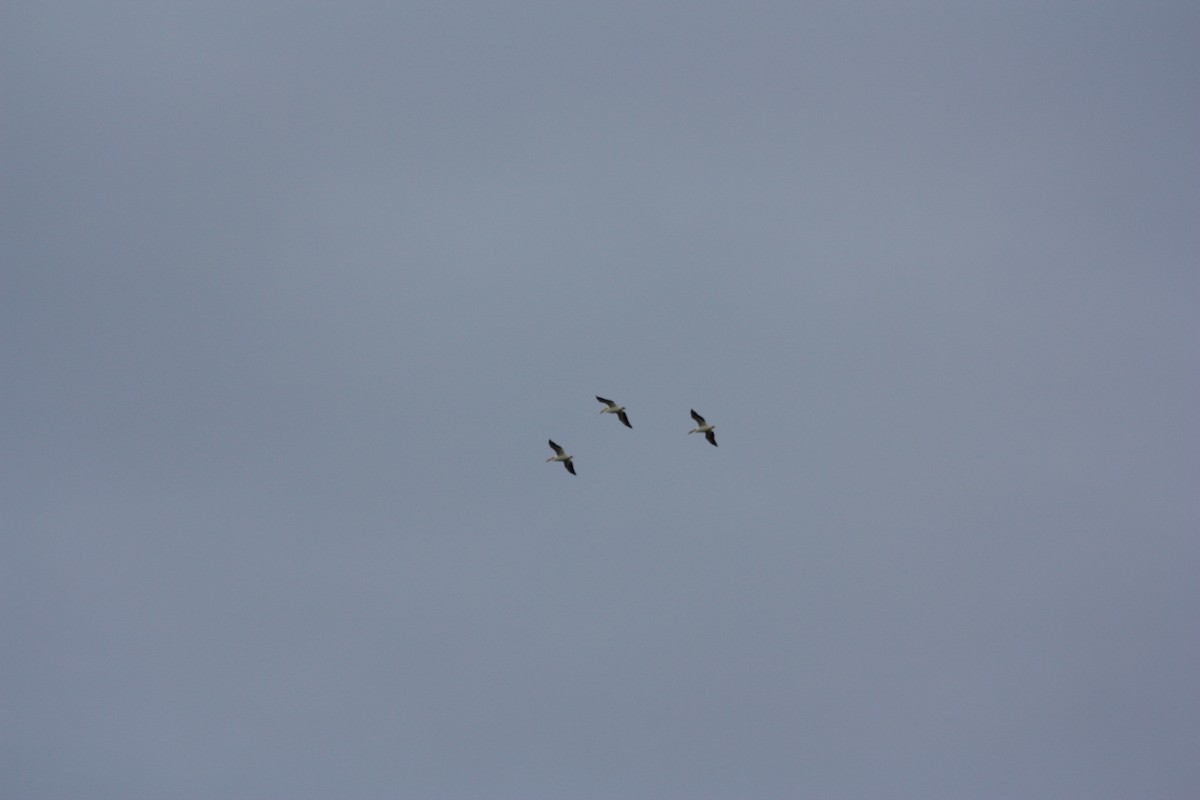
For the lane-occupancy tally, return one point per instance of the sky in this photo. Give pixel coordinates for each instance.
(292, 296)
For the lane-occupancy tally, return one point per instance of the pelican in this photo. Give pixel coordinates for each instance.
(562, 456)
(705, 428)
(613, 408)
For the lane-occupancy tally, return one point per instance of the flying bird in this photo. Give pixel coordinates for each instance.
(705, 428)
(563, 456)
(613, 408)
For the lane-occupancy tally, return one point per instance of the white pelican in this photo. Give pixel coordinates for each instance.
(562, 456)
(613, 408)
(705, 428)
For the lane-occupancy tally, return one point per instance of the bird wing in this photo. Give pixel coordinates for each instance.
(606, 402)
(570, 465)
(621, 416)
(555, 447)
(712, 438)
(697, 417)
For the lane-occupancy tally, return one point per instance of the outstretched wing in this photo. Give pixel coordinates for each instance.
(606, 402)
(712, 438)
(697, 417)
(570, 465)
(621, 416)
(555, 447)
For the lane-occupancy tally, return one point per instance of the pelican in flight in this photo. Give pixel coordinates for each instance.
(705, 428)
(613, 408)
(563, 456)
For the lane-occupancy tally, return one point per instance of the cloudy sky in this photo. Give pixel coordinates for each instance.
(293, 295)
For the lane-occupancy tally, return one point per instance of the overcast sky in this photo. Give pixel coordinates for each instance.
(294, 294)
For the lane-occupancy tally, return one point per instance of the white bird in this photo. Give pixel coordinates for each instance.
(562, 456)
(613, 408)
(705, 428)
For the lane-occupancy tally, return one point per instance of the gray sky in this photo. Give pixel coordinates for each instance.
(294, 294)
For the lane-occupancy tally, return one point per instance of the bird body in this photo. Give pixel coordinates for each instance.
(563, 456)
(705, 428)
(612, 408)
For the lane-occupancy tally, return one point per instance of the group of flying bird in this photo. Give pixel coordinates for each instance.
(612, 408)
